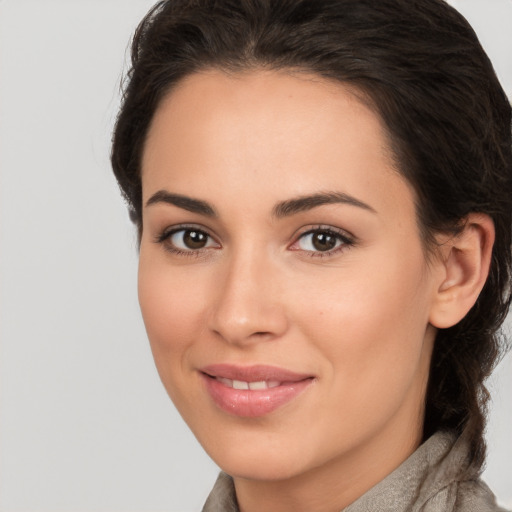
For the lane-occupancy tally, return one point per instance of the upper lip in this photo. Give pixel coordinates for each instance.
(254, 373)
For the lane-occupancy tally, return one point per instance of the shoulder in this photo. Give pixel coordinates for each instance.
(452, 483)
(437, 477)
(462, 496)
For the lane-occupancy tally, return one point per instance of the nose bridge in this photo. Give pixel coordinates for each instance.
(247, 305)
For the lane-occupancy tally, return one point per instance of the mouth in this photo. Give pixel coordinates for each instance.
(241, 384)
(252, 391)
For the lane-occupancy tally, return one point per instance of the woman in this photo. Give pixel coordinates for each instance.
(322, 191)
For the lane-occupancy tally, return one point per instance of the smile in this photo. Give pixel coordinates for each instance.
(252, 391)
(240, 384)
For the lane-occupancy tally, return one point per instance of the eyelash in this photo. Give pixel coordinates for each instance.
(346, 241)
(165, 236)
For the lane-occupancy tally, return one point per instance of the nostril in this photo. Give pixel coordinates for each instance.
(240, 320)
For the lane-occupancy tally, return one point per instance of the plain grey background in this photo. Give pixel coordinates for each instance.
(85, 424)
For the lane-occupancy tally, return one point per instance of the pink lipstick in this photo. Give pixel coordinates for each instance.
(252, 391)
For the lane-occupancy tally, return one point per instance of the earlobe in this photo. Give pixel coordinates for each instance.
(465, 263)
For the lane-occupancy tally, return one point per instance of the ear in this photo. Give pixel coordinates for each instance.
(464, 266)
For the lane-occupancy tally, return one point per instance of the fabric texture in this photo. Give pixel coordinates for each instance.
(437, 477)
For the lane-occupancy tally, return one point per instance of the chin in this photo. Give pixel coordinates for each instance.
(266, 459)
(263, 469)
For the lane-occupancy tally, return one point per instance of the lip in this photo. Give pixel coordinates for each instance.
(286, 385)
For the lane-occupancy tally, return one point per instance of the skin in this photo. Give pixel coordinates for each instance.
(357, 318)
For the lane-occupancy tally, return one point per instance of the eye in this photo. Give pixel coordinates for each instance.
(190, 239)
(187, 240)
(322, 240)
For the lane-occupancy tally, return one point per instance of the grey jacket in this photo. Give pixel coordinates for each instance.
(435, 478)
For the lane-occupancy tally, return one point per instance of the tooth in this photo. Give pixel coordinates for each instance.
(240, 384)
(226, 382)
(258, 385)
(273, 383)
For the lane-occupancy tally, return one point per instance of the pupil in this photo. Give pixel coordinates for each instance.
(194, 239)
(324, 241)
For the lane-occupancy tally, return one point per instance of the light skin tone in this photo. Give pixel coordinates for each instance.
(336, 286)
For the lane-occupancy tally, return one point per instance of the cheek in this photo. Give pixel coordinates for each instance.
(171, 307)
(374, 346)
(370, 323)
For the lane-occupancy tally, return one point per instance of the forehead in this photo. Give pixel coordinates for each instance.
(286, 104)
(269, 133)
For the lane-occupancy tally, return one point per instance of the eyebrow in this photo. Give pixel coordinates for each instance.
(280, 210)
(305, 203)
(184, 202)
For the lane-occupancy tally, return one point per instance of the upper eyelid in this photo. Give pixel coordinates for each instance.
(312, 229)
(164, 236)
(346, 238)
(170, 230)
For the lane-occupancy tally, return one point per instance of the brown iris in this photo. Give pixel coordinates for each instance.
(323, 241)
(195, 239)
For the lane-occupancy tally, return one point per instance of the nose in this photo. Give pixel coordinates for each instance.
(248, 305)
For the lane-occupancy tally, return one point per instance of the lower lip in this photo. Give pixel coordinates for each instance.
(252, 404)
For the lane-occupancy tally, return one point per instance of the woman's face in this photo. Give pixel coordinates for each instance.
(282, 277)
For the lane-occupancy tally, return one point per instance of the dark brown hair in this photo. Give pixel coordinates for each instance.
(421, 67)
